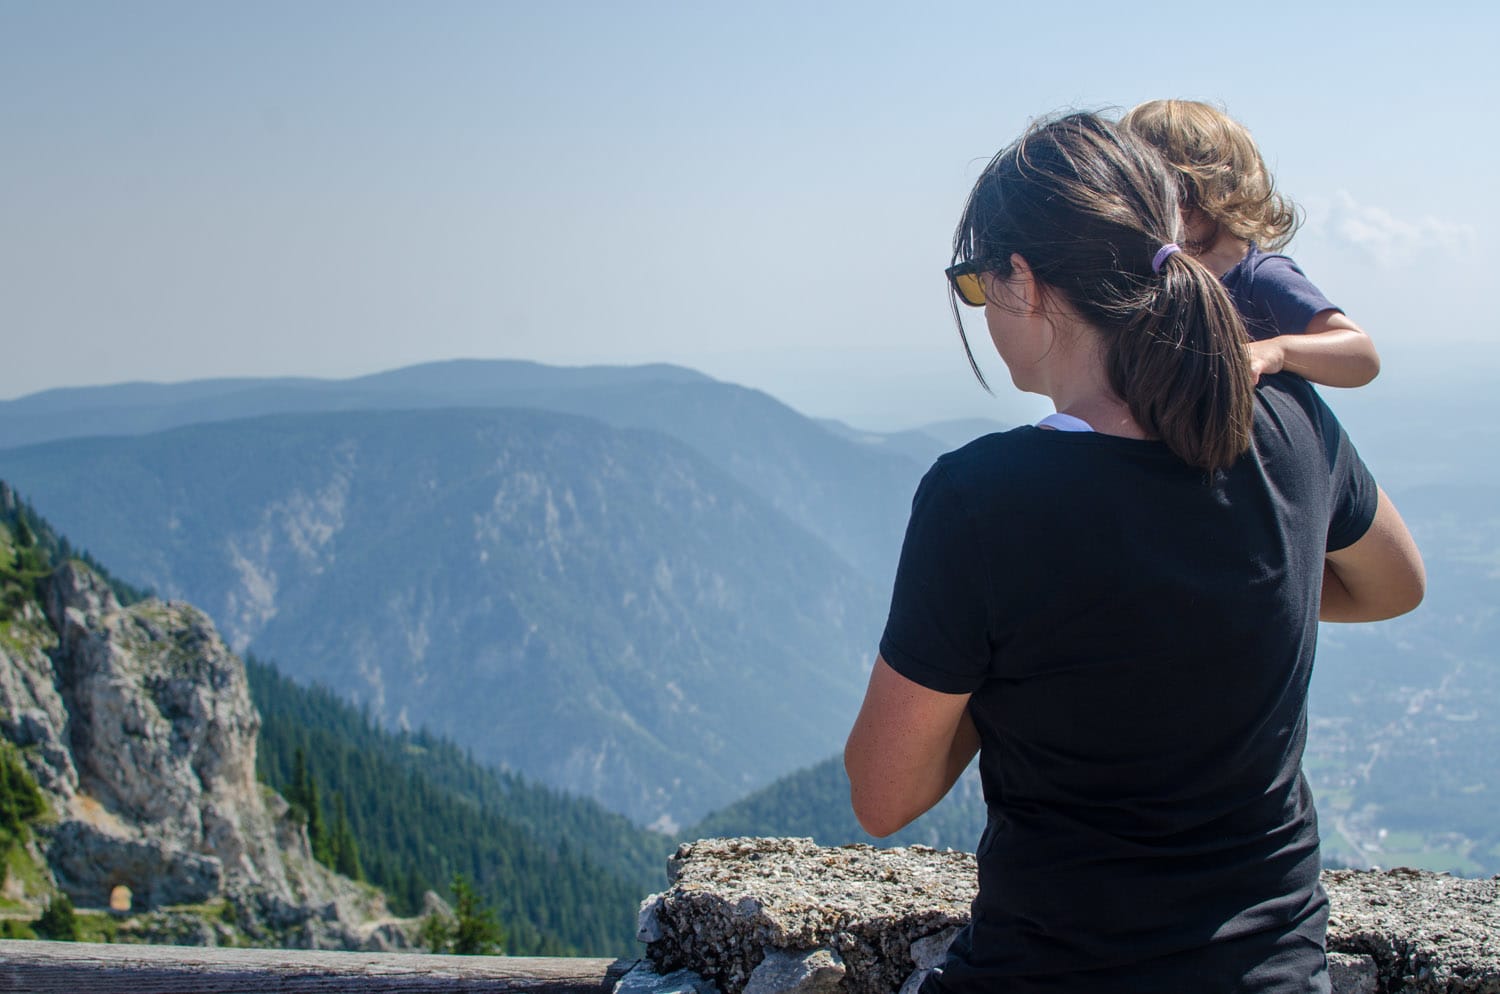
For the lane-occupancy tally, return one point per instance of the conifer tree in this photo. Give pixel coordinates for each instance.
(297, 793)
(317, 832)
(20, 800)
(436, 932)
(58, 922)
(476, 932)
(345, 850)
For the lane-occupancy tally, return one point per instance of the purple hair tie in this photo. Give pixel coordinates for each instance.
(1160, 258)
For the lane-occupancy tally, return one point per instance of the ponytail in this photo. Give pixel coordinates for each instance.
(1182, 366)
(1091, 209)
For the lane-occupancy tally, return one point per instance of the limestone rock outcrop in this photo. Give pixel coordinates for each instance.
(785, 916)
(138, 725)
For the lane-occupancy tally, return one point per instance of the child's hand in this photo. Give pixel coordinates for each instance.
(1266, 357)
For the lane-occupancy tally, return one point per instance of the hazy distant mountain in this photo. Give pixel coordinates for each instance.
(138, 408)
(605, 610)
(921, 445)
(856, 497)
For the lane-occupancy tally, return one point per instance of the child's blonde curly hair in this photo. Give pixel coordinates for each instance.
(1220, 169)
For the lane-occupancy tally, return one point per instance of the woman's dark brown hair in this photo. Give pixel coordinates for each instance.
(1088, 206)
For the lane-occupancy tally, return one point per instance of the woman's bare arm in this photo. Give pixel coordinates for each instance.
(1379, 576)
(908, 745)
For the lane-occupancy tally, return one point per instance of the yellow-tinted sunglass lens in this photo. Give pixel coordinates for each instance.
(970, 289)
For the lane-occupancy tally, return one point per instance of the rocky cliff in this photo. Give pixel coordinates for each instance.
(138, 726)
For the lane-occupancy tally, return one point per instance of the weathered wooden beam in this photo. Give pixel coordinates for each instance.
(35, 967)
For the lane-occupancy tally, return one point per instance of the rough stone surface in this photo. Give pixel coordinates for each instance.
(1351, 974)
(816, 971)
(642, 979)
(88, 863)
(138, 725)
(889, 914)
(1426, 932)
(929, 952)
(732, 900)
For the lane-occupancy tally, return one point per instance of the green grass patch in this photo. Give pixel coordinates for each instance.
(1340, 848)
(1411, 849)
(16, 928)
(206, 910)
(96, 926)
(19, 865)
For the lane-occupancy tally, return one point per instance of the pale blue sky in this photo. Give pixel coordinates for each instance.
(764, 192)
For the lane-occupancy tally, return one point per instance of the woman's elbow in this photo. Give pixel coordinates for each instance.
(1408, 586)
(875, 814)
(1414, 592)
(875, 819)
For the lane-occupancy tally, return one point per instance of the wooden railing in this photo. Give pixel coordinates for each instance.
(34, 967)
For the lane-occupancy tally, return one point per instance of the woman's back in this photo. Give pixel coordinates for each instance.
(1138, 641)
(1122, 624)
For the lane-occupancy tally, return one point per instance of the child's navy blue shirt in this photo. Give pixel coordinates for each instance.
(1274, 297)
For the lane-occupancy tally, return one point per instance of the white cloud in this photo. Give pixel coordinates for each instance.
(1389, 241)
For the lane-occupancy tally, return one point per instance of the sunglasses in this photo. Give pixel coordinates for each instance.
(964, 278)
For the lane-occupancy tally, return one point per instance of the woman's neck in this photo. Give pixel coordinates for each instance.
(1106, 415)
(1079, 385)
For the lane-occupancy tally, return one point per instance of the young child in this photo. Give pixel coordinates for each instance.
(1235, 222)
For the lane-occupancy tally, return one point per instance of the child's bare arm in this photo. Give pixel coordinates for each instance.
(1333, 351)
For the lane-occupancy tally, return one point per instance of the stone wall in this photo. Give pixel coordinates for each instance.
(785, 916)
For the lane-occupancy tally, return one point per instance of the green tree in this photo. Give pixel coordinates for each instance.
(58, 922)
(296, 791)
(25, 538)
(476, 932)
(303, 795)
(20, 800)
(343, 848)
(12, 929)
(436, 932)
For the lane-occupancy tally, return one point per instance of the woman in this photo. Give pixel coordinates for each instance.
(1117, 609)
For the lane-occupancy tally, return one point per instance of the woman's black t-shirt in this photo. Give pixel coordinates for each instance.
(1137, 638)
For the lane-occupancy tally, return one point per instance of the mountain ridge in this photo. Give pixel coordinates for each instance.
(618, 575)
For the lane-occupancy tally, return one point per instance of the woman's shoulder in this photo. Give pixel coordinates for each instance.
(1011, 448)
(1290, 405)
(1288, 392)
(1029, 456)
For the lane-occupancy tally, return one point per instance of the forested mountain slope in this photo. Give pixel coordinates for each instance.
(604, 610)
(564, 875)
(406, 812)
